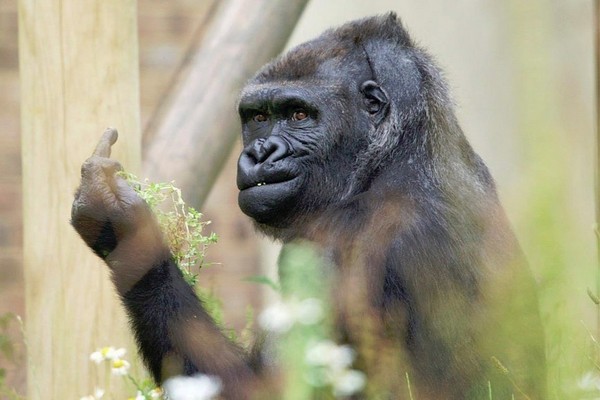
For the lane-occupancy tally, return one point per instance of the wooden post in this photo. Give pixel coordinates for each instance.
(193, 138)
(79, 73)
(597, 162)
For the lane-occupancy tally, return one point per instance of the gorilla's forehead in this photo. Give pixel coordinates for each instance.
(337, 61)
(304, 61)
(339, 54)
(319, 66)
(309, 90)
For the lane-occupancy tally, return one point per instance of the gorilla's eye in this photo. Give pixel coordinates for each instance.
(260, 117)
(299, 115)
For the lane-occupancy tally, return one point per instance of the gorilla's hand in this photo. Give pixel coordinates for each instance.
(108, 214)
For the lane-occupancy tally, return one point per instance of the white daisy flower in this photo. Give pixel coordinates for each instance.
(309, 311)
(328, 354)
(281, 316)
(156, 393)
(589, 381)
(348, 382)
(139, 396)
(332, 364)
(98, 393)
(197, 387)
(120, 367)
(277, 318)
(107, 353)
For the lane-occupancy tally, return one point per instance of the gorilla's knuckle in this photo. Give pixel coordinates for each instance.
(87, 166)
(109, 166)
(115, 165)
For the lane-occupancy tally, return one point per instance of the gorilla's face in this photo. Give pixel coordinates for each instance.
(287, 152)
(306, 120)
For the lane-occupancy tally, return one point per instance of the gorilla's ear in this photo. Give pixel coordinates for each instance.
(375, 99)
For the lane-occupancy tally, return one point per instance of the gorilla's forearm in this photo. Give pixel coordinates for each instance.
(175, 334)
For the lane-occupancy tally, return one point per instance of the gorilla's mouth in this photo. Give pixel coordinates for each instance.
(281, 185)
(263, 181)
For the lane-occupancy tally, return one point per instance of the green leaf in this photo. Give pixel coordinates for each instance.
(263, 280)
(6, 347)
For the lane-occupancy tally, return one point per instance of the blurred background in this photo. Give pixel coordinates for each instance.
(522, 75)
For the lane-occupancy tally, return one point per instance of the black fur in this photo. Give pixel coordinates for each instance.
(153, 306)
(106, 242)
(381, 176)
(351, 143)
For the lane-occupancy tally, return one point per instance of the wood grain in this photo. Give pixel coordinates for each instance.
(195, 135)
(79, 74)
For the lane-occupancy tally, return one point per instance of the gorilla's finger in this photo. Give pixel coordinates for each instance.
(124, 192)
(108, 139)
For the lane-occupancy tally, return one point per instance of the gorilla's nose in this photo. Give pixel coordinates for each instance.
(275, 148)
(263, 162)
(270, 150)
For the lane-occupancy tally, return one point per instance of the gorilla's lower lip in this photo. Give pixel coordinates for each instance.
(266, 203)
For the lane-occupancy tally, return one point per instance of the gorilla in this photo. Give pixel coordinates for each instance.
(350, 143)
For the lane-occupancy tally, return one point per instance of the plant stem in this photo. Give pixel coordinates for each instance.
(409, 389)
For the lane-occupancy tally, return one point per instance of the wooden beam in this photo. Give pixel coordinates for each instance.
(79, 73)
(194, 137)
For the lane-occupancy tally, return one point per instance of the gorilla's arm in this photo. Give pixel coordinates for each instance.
(174, 332)
(176, 335)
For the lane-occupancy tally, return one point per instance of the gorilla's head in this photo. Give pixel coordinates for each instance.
(321, 123)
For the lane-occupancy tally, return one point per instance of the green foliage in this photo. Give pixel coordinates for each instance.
(9, 353)
(214, 307)
(315, 366)
(145, 387)
(7, 348)
(264, 280)
(182, 225)
(183, 229)
(300, 272)
(247, 334)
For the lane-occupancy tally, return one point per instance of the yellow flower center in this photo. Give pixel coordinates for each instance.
(104, 351)
(118, 363)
